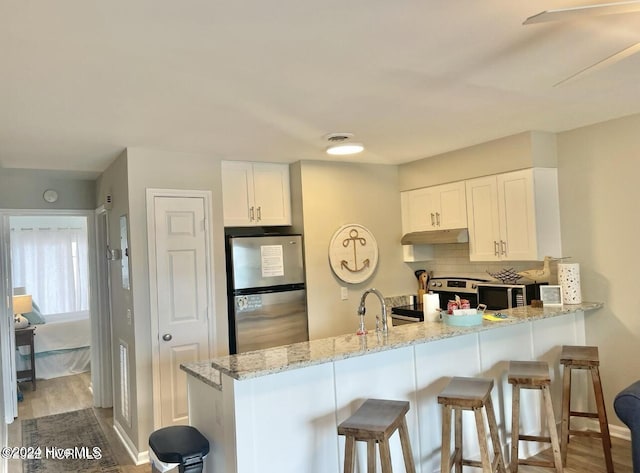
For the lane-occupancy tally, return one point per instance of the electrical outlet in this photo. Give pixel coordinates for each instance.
(344, 293)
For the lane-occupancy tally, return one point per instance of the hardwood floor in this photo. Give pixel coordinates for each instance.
(69, 393)
(72, 392)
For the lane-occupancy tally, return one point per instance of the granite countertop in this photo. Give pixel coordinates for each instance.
(299, 355)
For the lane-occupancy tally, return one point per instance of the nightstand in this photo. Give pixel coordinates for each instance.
(24, 337)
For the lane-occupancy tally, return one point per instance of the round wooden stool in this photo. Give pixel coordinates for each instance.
(469, 394)
(532, 375)
(374, 422)
(583, 358)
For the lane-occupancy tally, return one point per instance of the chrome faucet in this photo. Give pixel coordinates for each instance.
(362, 310)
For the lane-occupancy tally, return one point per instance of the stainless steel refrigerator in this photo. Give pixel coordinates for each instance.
(267, 297)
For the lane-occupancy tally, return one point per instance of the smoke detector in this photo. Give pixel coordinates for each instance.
(340, 144)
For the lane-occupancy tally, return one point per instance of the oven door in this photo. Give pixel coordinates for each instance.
(397, 319)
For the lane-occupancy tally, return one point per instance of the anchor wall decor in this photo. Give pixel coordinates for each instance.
(353, 253)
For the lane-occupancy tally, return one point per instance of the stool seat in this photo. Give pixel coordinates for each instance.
(467, 393)
(181, 444)
(376, 419)
(470, 394)
(374, 422)
(529, 373)
(579, 356)
(532, 375)
(583, 358)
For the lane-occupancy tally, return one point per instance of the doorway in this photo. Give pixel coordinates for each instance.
(62, 290)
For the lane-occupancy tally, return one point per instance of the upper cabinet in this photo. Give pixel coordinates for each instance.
(514, 216)
(255, 194)
(434, 208)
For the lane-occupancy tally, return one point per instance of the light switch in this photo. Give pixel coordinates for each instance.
(344, 293)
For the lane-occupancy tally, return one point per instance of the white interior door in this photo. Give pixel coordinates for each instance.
(182, 297)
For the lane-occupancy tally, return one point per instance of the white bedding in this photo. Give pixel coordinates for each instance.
(62, 345)
(63, 331)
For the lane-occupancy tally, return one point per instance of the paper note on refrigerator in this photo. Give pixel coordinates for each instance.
(272, 261)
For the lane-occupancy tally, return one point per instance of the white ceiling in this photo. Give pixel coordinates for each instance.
(265, 80)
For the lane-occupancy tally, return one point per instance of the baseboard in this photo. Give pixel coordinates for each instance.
(139, 458)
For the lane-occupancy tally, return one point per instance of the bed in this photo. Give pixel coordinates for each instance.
(62, 346)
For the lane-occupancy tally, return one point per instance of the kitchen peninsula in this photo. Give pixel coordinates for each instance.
(277, 410)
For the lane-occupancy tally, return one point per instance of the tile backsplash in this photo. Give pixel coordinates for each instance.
(453, 260)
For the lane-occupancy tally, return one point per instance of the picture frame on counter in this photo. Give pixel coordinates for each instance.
(551, 296)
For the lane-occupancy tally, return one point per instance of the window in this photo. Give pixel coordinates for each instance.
(49, 257)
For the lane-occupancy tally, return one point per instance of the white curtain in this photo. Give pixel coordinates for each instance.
(51, 263)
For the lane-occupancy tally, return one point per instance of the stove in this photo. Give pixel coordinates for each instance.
(447, 288)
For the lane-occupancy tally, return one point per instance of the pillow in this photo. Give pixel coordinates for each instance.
(34, 317)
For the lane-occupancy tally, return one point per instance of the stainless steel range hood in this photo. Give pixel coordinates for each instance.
(456, 235)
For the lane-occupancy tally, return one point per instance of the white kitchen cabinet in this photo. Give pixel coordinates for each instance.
(255, 194)
(434, 208)
(514, 216)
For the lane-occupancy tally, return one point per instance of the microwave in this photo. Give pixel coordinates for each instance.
(507, 296)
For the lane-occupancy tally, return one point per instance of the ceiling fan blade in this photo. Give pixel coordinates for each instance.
(617, 57)
(566, 14)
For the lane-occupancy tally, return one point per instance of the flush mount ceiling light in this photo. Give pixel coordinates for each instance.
(340, 144)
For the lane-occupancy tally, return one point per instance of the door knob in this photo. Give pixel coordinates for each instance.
(167, 337)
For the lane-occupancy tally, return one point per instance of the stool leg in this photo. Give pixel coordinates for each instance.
(493, 431)
(409, 465)
(445, 460)
(385, 456)
(602, 417)
(566, 408)
(515, 428)
(371, 456)
(349, 454)
(553, 431)
(482, 441)
(458, 441)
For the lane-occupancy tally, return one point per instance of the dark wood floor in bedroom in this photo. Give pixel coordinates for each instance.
(58, 395)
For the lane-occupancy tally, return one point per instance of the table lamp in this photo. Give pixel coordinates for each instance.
(21, 305)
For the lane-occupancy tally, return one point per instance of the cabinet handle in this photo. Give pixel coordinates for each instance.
(496, 248)
(433, 220)
(438, 218)
(259, 213)
(251, 214)
(503, 247)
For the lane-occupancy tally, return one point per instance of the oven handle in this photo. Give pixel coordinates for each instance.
(406, 318)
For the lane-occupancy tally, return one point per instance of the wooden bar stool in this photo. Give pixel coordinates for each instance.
(374, 422)
(532, 375)
(469, 394)
(583, 358)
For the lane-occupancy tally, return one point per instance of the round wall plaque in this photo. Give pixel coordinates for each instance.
(353, 253)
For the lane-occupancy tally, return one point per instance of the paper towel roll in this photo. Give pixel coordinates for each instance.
(569, 279)
(431, 307)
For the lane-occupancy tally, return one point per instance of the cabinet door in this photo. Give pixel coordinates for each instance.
(237, 193)
(483, 219)
(517, 215)
(272, 194)
(419, 210)
(452, 212)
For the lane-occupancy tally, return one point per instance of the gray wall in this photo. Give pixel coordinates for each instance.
(166, 170)
(23, 189)
(599, 194)
(524, 150)
(335, 194)
(114, 181)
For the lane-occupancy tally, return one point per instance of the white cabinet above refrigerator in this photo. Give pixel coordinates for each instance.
(255, 194)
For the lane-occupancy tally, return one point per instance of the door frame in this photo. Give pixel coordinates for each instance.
(96, 355)
(103, 391)
(151, 194)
